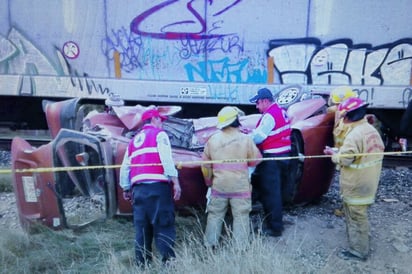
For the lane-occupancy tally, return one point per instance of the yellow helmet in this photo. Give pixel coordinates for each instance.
(227, 115)
(340, 94)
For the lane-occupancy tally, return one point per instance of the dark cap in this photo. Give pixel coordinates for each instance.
(262, 93)
(150, 113)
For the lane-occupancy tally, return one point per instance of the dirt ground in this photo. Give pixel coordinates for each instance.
(320, 230)
(315, 234)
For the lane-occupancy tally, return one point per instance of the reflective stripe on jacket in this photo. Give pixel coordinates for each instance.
(278, 140)
(230, 179)
(339, 132)
(144, 157)
(360, 174)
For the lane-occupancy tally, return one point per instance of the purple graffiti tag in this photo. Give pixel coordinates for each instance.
(228, 7)
(173, 35)
(228, 44)
(129, 46)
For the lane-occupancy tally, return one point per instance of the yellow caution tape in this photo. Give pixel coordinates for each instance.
(181, 164)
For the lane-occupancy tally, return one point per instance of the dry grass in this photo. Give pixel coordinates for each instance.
(108, 248)
(66, 251)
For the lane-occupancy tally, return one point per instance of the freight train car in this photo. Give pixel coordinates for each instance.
(202, 55)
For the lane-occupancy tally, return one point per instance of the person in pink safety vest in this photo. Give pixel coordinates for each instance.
(149, 180)
(272, 136)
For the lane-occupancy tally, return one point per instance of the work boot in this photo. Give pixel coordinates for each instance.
(346, 255)
(271, 232)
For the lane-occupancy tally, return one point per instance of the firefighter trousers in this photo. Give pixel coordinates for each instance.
(217, 208)
(357, 228)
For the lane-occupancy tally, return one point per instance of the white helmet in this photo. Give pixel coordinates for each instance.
(114, 100)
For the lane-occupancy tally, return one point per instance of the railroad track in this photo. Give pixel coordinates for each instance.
(34, 137)
(397, 161)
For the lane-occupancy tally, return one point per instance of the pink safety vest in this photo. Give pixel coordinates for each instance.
(143, 152)
(278, 140)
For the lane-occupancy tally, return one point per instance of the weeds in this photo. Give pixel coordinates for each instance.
(109, 248)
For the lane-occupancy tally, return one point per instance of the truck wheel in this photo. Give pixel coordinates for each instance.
(289, 96)
(289, 188)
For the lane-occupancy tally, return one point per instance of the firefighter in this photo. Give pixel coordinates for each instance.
(338, 95)
(229, 182)
(360, 159)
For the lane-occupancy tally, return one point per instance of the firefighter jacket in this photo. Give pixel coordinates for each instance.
(360, 173)
(340, 129)
(278, 140)
(230, 179)
(339, 132)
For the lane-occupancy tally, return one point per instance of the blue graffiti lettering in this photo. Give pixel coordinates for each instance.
(223, 71)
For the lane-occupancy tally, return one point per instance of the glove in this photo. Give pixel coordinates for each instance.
(127, 195)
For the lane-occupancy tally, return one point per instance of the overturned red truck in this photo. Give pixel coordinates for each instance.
(73, 180)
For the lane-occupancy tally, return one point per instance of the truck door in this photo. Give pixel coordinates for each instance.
(63, 184)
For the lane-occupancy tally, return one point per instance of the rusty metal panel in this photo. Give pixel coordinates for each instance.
(35, 192)
(60, 114)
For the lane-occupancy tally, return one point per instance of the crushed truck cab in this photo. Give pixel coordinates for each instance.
(73, 180)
